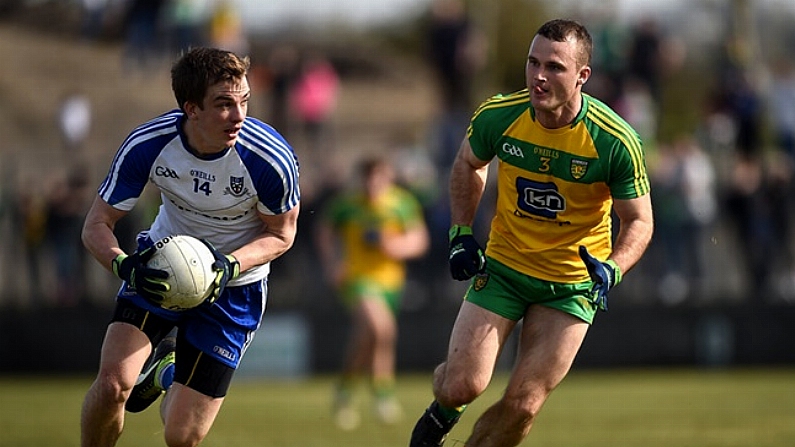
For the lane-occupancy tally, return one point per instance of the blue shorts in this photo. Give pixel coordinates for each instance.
(222, 330)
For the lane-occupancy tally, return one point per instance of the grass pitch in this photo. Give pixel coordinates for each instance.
(617, 408)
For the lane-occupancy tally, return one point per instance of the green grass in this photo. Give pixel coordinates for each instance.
(616, 408)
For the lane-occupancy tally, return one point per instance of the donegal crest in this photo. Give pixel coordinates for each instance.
(480, 282)
(578, 168)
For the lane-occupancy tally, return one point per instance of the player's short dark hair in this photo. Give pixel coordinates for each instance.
(369, 165)
(560, 30)
(201, 67)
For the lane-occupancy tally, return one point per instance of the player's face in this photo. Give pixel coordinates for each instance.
(554, 78)
(378, 181)
(218, 123)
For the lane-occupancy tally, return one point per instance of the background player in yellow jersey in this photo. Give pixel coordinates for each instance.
(365, 237)
(565, 162)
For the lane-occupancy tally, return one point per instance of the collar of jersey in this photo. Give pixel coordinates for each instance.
(577, 119)
(190, 150)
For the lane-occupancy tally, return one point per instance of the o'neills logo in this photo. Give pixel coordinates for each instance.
(223, 352)
(480, 282)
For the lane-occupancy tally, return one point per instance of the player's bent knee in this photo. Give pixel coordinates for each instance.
(452, 390)
(454, 393)
(110, 390)
(521, 411)
(182, 436)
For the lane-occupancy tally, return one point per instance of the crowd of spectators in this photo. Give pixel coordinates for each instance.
(721, 188)
(721, 192)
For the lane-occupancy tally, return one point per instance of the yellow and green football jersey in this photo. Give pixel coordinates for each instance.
(555, 186)
(359, 222)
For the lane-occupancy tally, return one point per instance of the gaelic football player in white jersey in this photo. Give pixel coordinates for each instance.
(225, 178)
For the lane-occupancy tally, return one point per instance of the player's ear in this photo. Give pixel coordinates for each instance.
(190, 109)
(584, 74)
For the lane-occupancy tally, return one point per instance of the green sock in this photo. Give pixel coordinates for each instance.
(451, 414)
(383, 388)
(346, 386)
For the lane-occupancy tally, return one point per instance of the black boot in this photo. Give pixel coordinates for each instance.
(432, 429)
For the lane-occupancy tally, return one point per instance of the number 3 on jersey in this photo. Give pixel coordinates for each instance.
(201, 186)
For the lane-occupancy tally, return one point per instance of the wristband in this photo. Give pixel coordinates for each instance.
(459, 230)
(616, 271)
(116, 263)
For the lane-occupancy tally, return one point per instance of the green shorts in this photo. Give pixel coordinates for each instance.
(353, 292)
(509, 293)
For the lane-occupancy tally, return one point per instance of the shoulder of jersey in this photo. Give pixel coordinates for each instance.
(166, 119)
(605, 117)
(505, 102)
(161, 126)
(259, 132)
(254, 125)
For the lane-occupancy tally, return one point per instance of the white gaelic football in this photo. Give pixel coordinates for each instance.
(190, 273)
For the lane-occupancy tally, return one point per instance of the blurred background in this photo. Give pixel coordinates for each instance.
(709, 85)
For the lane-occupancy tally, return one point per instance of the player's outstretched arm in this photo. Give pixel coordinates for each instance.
(277, 237)
(408, 244)
(467, 183)
(635, 231)
(98, 236)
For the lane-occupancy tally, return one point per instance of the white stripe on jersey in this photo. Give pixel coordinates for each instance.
(214, 199)
(282, 160)
(162, 125)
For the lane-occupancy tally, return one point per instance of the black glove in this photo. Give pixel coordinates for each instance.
(466, 257)
(605, 276)
(148, 282)
(226, 269)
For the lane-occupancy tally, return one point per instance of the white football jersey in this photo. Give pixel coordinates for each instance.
(215, 198)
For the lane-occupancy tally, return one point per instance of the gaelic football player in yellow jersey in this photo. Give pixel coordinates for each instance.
(565, 162)
(365, 238)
